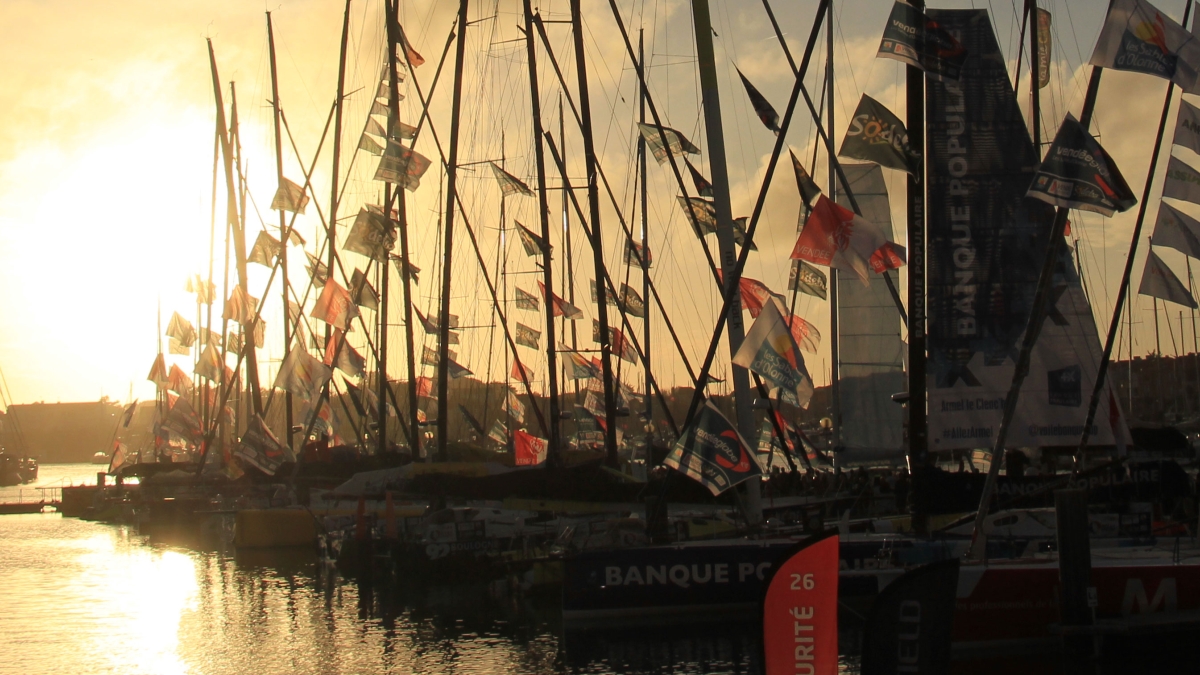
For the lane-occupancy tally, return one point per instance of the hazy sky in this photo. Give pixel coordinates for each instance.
(106, 156)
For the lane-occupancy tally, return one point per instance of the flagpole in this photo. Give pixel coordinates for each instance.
(555, 449)
(918, 421)
(1035, 107)
(283, 262)
(443, 420)
(1195, 341)
(834, 371)
(644, 257)
(1123, 288)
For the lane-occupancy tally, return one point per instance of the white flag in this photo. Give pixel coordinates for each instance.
(1158, 281)
(1182, 182)
(1187, 127)
(302, 374)
(1176, 229)
(1138, 37)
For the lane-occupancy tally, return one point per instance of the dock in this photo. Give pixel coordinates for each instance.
(33, 503)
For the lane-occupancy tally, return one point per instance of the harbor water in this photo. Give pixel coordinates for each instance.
(85, 597)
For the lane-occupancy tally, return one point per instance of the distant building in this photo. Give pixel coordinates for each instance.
(60, 432)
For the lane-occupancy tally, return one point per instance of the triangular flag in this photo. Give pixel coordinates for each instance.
(1078, 174)
(763, 108)
(289, 197)
(1158, 281)
(1176, 229)
(509, 184)
(675, 143)
(158, 371)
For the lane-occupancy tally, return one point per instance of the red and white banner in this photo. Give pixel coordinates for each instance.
(800, 612)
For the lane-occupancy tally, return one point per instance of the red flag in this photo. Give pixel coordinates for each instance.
(179, 381)
(836, 237)
(158, 371)
(800, 611)
(334, 307)
(562, 307)
(530, 450)
(890, 256)
(806, 335)
(518, 369)
(424, 386)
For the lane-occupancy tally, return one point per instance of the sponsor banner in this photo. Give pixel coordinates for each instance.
(987, 243)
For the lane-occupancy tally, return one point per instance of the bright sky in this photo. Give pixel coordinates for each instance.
(106, 154)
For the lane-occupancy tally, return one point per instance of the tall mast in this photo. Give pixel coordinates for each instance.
(283, 266)
(331, 231)
(645, 249)
(918, 422)
(239, 236)
(443, 420)
(834, 375)
(503, 255)
(589, 160)
(402, 212)
(566, 226)
(1035, 104)
(535, 102)
(730, 274)
(236, 138)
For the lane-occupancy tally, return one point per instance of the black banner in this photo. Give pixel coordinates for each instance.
(1079, 174)
(908, 628)
(877, 135)
(922, 41)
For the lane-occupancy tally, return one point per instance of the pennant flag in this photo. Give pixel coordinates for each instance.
(334, 307)
(179, 381)
(402, 132)
(740, 233)
(437, 320)
(701, 213)
(1187, 127)
(878, 136)
(368, 145)
(183, 421)
(1176, 229)
(209, 366)
(120, 457)
(581, 367)
(411, 57)
(712, 453)
(509, 184)
(425, 387)
(456, 370)
(755, 294)
(621, 346)
(375, 128)
(158, 371)
(529, 449)
(805, 334)
(181, 329)
(1158, 281)
(521, 372)
(384, 91)
(527, 337)
(174, 346)
(527, 300)
(233, 342)
(1182, 182)
(675, 143)
(205, 291)
(302, 374)
(800, 613)
(361, 291)
(260, 332)
(498, 433)
(401, 165)
(532, 243)
(771, 351)
(1078, 174)
(836, 237)
(240, 306)
(1043, 42)
(259, 447)
(471, 421)
(562, 307)
(632, 303)
(452, 337)
(429, 326)
(921, 602)
(514, 407)
(407, 269)
(265, 250)
(349, 361)
(609, 298)
(804, 182)
(378, 108)
(805, 278)
(1138, 37)
(703, 187)
(763, 108)
(635, 253)
(371, 235)
(317, 270)
(289, 197)
(912, 38)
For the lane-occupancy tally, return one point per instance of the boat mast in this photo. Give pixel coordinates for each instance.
(918, 422)
(555, 445)
(443, 420)
(1035, 106)
(394, 37)
(502, 253)
(239, 236)
(730, 274)
(566, 226)
(236, 138)
(643, 258)
(1123, 289)
(835, 396)
(589, 160)
(283, 266)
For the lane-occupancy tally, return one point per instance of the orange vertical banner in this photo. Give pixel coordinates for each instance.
(800, 634)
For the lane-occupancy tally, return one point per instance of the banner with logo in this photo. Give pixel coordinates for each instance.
(800, 611)
(712, 453)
